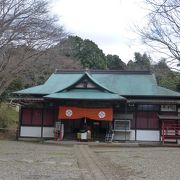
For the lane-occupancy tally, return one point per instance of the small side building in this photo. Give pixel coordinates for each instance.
(130, 104)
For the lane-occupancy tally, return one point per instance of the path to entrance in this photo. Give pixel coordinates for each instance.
(89, 164)
(36, 161)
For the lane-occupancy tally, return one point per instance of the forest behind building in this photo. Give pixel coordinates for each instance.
(33, 44)
(74, 53)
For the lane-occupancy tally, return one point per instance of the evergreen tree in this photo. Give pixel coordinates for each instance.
(115, 63)
(141, 62)
(86, 51)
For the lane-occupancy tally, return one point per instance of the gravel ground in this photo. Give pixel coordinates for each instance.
(142, 163)
(23, 160)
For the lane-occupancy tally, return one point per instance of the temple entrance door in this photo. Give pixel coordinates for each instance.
(79, 120)
(98, 129)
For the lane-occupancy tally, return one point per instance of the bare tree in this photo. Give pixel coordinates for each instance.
(162, 32)
(26, 30)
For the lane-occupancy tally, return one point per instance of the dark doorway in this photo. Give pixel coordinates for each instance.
(72, 127)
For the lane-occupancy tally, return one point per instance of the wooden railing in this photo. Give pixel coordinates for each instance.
(170, 131)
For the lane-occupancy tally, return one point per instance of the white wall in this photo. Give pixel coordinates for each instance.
(124, 135)
(48, 132)
(147, 135)
(29, 131)
(132, 135)
(142, 135)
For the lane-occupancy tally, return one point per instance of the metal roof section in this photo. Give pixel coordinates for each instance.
(55, 83)
(85, 94)
(124, 83)
(161, 91)
(127, 84)
(31, 90)
(87, 76)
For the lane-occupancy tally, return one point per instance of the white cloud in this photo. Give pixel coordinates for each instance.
(106, 22)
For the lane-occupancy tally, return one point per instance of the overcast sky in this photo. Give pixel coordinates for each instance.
(109, 23)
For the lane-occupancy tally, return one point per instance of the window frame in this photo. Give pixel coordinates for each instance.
(122, 120)
(166, 108)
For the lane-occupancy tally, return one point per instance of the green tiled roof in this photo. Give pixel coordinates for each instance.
(127, 84)
(55, 83)
(89, 94)
(88, 76)
(122, 83)
(161, 91)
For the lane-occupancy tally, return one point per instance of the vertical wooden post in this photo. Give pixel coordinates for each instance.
(32, 113)
(176, 130)
(135, 123)
(18, 133)
(160, 129)
(125, 113)
(163, 132)
(42, 122)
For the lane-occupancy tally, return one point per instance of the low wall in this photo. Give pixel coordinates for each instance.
(141, 135)
(27, 131)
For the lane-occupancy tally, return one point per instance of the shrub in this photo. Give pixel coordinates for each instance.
(8, 116)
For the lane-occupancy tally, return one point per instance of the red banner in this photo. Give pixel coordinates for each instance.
(68, 112)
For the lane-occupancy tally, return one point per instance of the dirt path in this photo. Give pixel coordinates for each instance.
(89, 164)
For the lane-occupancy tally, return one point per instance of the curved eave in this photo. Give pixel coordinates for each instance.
(85, 95)
(31, 91)
(91, 79)
(84, 99)
(151, 97)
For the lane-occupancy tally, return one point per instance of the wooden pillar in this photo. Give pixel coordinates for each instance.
(32, 113)
(160, 123)
(163, 132)
(18, 133)
(125, 113)
(135, 123)
(160, 129)
(126, 107)
(42, 122)
(176, 130)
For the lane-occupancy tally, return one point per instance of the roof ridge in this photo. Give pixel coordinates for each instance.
(76, 71)
(91, 78)
(97, 83)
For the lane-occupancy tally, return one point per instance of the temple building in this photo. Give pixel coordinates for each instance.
(112, 105)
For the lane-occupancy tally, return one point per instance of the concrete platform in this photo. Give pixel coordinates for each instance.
(104, 144)
(100, 143)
